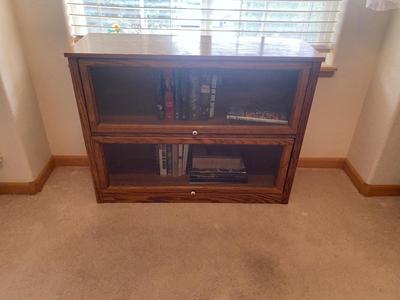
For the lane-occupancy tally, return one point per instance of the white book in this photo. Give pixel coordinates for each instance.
(162, 157)
(213, 95)
(180, 159)
(185, 158)
(253, 119)
(175, 160)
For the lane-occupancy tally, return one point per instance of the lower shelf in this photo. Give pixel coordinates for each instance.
(134, 179)
(135, 171)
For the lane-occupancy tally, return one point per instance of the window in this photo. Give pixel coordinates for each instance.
(313, 21)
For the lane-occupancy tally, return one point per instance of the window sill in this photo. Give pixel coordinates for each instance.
(327, 70)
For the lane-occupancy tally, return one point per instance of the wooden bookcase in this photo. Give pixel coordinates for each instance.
(117, 77)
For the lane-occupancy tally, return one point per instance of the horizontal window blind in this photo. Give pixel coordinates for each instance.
(313, 21)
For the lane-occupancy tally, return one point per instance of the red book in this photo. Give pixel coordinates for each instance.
(169, 95)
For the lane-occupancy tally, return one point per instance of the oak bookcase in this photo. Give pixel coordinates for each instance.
(116, 79)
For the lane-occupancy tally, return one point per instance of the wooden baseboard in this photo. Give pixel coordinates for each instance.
(369, 190)
(70, 160)
(34, 187)
(365, 189)
(29, 188)
(321, 162)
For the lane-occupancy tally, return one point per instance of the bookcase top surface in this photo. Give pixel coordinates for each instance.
(103, 45)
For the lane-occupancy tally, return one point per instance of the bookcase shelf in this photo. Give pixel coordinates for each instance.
(153, 120)
(162, 125)
(148, 180)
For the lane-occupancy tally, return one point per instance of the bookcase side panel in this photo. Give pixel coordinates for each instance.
(311, 86)
(89, 93)
(85, 123)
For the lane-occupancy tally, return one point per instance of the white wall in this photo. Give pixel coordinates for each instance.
(15, 166)
(23, 142)
(45, 37)
(338, 100)
(375, 148)
(333, 118)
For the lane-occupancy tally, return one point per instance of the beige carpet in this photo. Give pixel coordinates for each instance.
(328, 243)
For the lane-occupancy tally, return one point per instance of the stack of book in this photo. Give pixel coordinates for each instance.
(214, 168)
(187, 95)
(172, 159)
(255, 113)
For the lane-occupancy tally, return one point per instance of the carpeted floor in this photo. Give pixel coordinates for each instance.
(328, 243)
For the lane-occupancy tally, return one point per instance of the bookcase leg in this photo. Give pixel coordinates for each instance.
(99, 199)
(285, 198)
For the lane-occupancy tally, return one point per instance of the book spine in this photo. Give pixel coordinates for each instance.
(168, 95)
(213, 95)
(185, 158)
(160, 98)
(177, 96)
(175, 160)
(204, 98)
(158, 157)
(162, 152)
(180, 159)
(259, 120)
(169, 159)
(194, 96)
(185, 95)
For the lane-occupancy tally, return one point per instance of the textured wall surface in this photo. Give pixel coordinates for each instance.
(23, 142)
(376, 143)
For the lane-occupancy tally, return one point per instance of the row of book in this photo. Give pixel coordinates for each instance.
(191, 95)
(187, 95)
(207, 166)
(172, 159)
(217, 166)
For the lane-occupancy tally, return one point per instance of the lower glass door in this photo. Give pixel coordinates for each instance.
(192, 164)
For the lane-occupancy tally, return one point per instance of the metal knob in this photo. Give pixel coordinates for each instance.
(192, 193)
(195, 132)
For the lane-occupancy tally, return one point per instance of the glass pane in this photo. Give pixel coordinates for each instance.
(216, 97)
(184, 164)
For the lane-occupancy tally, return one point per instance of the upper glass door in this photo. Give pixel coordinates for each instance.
(182, 99)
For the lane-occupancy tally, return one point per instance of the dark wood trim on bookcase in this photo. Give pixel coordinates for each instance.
(83, 115)
(313, 78)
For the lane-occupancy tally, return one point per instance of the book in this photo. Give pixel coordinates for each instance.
(213, 95)
(194, 96)
(169, 95)
(180, 160)
(217, 166)
(158, 157)
(160, 98)
(177, 95)
(175, 160)
(162, 159)
(218, 176)
(204, 96)
(185, 158)
(184, 87)
(217, 162)
(254, 114)
(169, 159)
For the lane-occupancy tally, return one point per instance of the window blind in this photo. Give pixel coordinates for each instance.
(313, 21)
